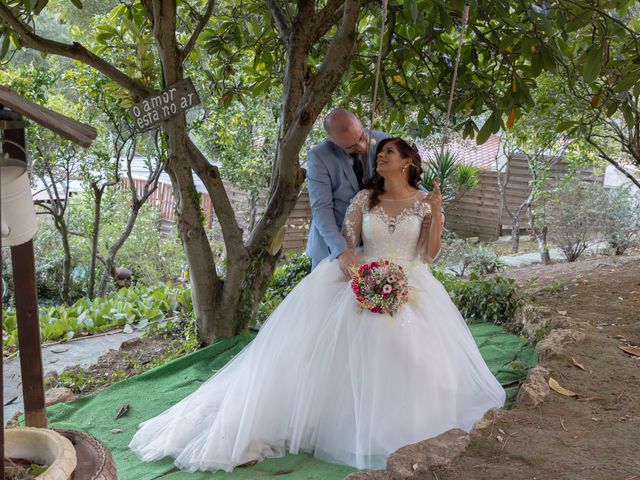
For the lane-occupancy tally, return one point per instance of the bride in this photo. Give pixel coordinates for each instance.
(326, 377)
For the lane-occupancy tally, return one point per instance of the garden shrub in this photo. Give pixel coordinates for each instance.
(574, 214)
(460, 256)
(133, 307)
(494, 299)
(620, 219)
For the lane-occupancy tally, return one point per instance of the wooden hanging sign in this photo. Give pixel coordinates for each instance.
(152, 111)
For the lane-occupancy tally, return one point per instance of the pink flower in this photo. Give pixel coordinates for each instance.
(387, 289)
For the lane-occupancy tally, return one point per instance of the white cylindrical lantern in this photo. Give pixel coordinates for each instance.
(18, 212)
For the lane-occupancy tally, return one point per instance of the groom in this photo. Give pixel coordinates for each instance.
(336, 170)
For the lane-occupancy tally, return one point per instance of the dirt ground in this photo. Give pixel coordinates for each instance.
(595, 435)
(134, 357)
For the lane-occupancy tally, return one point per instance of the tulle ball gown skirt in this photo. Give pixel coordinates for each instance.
(323, 376)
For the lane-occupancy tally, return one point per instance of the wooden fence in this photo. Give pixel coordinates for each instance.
(297, 224)
(479, 213)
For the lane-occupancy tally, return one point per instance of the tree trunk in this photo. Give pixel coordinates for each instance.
(543, 246)
(253, 209)
(113, 250)
(66, 260)
(205, 286)
(540, 235)
(515, 232)
(98, 192)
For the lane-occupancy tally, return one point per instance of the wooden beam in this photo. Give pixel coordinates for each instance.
(64, 126)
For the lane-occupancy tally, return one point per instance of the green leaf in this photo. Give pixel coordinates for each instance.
(629, 118)
(39, 6)
(77, 4)
(536, 63)
(445, 19)
(593, 63)
(612, 108)
(486, 130)
(564, 126)
(6, 42)
(626, 82)
(410, 10)
(132, 27)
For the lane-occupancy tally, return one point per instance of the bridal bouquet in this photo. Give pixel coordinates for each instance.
(380, 286)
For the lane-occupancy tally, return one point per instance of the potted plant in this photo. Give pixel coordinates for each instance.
(41, 446)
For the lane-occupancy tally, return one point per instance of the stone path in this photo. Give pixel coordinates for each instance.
(534, 257)
(83, 351)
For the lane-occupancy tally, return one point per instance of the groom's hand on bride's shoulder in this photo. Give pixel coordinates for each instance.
(347, 260)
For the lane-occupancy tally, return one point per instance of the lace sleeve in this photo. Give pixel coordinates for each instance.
(352, 225)
(423, 239)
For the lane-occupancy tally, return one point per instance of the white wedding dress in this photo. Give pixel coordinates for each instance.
(323, 376)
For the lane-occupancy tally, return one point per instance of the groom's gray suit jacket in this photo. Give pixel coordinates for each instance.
(332, 184)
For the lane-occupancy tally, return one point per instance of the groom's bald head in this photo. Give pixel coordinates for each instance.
(345, 130)
(339, 121)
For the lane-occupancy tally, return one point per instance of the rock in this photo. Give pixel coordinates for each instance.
(560, 321)
(532, 321)
(13, 421)
(373, 475)
(58, 395)
(535, 389)
(51, 379)
(132, 342)
(416, 461)
(554, 345)
(485, 422)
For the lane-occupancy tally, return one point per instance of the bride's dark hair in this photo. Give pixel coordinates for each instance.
(406, 150)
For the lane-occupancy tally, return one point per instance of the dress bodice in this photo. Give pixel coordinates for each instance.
(392, 229)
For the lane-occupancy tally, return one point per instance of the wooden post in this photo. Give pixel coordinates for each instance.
(24, 278)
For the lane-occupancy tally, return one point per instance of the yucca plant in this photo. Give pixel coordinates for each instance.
(453, 177)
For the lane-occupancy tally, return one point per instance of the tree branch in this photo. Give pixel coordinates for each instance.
(210, 176)
(75, 51)
(280, 21)
(202, 22)
(322, 19)
(300, 110)
(604, 155)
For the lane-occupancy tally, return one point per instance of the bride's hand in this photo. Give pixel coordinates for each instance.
(434, 198)
(346, 261)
